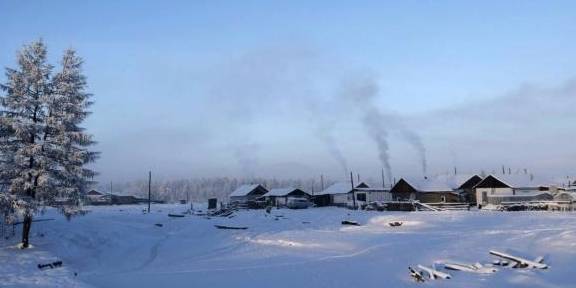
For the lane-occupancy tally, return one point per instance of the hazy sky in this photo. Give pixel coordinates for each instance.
(261, 88)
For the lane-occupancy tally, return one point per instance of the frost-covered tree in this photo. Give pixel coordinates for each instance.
(42, 148)
(68, 110)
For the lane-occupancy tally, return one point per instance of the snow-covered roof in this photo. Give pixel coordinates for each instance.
(566, 195)
(340, 188)
(244, 190)
(440, 183)
(521, 194)
(280, 192)
(94, 192)
(524, 180)
(336, 188)
(372, 189)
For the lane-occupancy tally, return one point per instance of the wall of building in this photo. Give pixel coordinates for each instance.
(491, 191)
(379, 196)
(341, 199)
(438, 197)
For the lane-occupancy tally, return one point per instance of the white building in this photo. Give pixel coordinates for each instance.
(513, 188)
(342, 194)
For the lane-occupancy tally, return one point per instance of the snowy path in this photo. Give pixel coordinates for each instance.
(121, 247)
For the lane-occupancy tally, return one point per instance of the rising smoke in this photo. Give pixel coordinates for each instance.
(363, 91)
(415, 140)
(326, 135)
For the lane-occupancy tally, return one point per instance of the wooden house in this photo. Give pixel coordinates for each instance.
(246, 193)
(95, 197)
(279, 196)
(438, 189)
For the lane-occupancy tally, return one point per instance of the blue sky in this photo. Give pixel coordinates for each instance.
(173, 80)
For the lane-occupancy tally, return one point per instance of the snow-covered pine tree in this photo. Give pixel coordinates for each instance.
(68, 110)
(25, 165)
(41, 146)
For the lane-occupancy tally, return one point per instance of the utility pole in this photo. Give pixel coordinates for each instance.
(149, 189)
(322, 182)
(312, 184)
(353, 194)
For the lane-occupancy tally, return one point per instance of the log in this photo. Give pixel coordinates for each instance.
(231, 227)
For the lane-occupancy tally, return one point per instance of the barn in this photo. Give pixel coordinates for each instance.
(246, 193)
(279, 196)
(513, 188)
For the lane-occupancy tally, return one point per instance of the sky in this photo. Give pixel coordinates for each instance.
(294, 89)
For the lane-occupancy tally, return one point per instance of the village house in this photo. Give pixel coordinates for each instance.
(438, 189)
(342, 194)
(512, 189)
(94, 196)
(279, 197)
(246, 193)
(368, 195)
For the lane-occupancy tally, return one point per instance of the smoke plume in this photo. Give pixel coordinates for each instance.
(416, 142)
(326, 135)
(362, 92)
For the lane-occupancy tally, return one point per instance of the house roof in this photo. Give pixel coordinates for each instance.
(440, 183)
(340, 188)
(372, 189)
(517, 181)
(566, 194)
(245, 190)
(522, 194)
(282, 192)
(94, 192)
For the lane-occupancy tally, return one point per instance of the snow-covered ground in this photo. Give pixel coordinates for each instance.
(122, 247)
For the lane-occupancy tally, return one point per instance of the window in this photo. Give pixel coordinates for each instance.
(361, 197)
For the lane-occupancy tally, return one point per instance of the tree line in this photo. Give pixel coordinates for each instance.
(201, 189)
